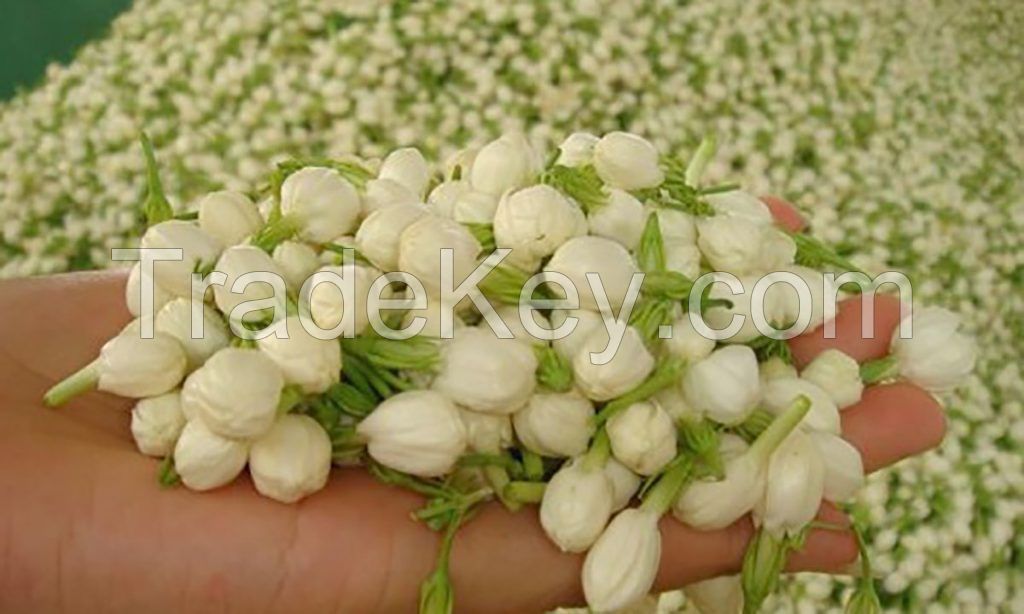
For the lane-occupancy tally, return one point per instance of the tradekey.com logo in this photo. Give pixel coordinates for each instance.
(398, 305)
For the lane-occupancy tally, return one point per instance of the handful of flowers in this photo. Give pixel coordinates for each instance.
(599, 334)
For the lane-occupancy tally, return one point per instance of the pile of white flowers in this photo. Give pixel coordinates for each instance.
(895, 125)
(349, 318)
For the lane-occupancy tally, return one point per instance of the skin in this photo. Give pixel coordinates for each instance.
(85, 527)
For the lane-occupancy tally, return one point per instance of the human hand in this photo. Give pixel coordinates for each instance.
(85, 527)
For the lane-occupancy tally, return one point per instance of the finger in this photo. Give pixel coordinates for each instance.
(883, 315)
(785, 214)
(689, 555)
(57, 324)
(892, 422)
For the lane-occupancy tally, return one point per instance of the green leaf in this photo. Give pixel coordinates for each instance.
(580, 183)
(814, 254)
(504, 284)
(651, 251)
(553, 370)
(155, 208)
(766, 347)
(484, 234)
(414, 354)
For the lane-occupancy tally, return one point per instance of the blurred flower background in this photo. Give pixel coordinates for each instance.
(897, 127)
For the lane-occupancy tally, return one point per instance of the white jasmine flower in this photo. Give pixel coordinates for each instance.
(474, 207)
(235, 393)
(937, 357)
(443, 198)
(730, 244)
(711, 505)
(407, 167)
(608, 259)
(576, 506)
(379, 235)
(206, 460)
(586, 323)
(687, 343)
(844, 468)
(509, 314)
(724, 386)
(777, 249)
(534, 222)
(677, 227)
(776, 368)
(130, 366)
(327, 304)
(683, 258)
(291, 460)
(322, 202)
(312, 364)
(785, 302)
(630, 365)
(229, 217)
(462, 159)
(621, 219)
(794, 487)
(175, 319)
(199, 249)
(156, 423)
(420, 245)
(577, 149)
(837, 374)
(643, 437)
(627, 161)
(737, 203)
(486, 433)
(296, 261)
(384, 193)
(624, 482)
(236, 261)
(504, 164)
(486, 374)
(418, 432)
(133, 293)
(620, 567)
(555, 424)
(779, 393)
(432, 315)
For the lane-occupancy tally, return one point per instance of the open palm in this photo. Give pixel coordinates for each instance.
(84, 525)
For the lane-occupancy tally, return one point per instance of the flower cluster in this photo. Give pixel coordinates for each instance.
(892, 124)
(270, 347)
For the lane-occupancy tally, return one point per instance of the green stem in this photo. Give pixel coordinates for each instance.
(754, 425)
(275, 232)
(497, 478)
(525, 492)
(880, 369)
(780, 428)
(671, 483)
(533, 465)
(699, 162)
(436, 593)
(666, 374)
(79, 382)
(291, 395)
(599, 452)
